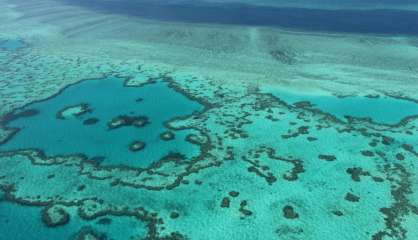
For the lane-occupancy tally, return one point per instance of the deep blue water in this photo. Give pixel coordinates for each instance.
(108, 99)
(352, 21)
(382, 110)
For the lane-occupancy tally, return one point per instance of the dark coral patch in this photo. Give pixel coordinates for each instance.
(367, 153)
(233, 193)
(303, 104)
(88, 233)
(98, 159)
(23, 114)
(124, 120)
(372, 96)
(196, 139)
(283, 56)
(303, 130)
(328, 158)
(373, 143)
(54, 216)
(356, 172)
(378, 179)
(225, 202)
(351, 197)
(243, 210)
(269, 177)
(90, 121)
(400, 156)
(387, 140)
(289, 212)
(104, 221)
(311, 139)
(408, 147)
(174, 215)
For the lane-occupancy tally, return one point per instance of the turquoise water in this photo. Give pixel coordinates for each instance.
(263, 170)
(11, 44)
(18, 222)
(382, 109)
(107, 99)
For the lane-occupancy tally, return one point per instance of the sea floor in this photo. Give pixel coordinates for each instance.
(117, 127)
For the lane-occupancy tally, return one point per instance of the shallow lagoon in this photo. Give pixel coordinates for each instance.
(385, 110)
(107, 99)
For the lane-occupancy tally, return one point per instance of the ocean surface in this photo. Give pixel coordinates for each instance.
(208, 119)
(369, 21)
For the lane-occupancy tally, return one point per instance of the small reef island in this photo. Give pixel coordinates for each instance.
(73, 111)
(122, 121)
